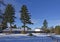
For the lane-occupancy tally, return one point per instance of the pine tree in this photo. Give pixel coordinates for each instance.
(25, 16)
(45, 24)
(1, 15)
(9, 15)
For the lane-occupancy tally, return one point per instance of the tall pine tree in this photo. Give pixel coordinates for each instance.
(25, 16)
(9, 15)
(2, 26)
(45, 24)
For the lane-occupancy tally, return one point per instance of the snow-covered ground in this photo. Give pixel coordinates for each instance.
(56, 36)
(41, 34)
(35, 34)
(3, 34)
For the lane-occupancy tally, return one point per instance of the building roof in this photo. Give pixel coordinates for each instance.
(38, 29)
(13, 29)
(16, 29)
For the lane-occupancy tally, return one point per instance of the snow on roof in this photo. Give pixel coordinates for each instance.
(16, 29)
(38, 29)
(13, 29)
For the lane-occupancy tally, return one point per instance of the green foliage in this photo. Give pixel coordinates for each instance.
(14, 26)
(1, 18)
(44, 27)
(2, 22)
(27, 27)
(46, 30)
(30, 34)
(23, 32)
(9, 14)
(45, 24)
(57, 29)
(25, 16)
(4, 25)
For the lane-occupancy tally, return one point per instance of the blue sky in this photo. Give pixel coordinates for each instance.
(40, 10)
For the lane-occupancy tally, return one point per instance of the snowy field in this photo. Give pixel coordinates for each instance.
(36, 34)
(24, 38)
(3, 34)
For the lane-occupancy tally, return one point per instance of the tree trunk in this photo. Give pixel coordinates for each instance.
(10, 28)
(24, 27)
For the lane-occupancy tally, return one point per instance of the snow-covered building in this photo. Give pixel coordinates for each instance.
(15, 30)
(38, 30)
(7, 30)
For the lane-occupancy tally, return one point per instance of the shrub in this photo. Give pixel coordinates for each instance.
(30, 34)
(23, 32)
(57, 29)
